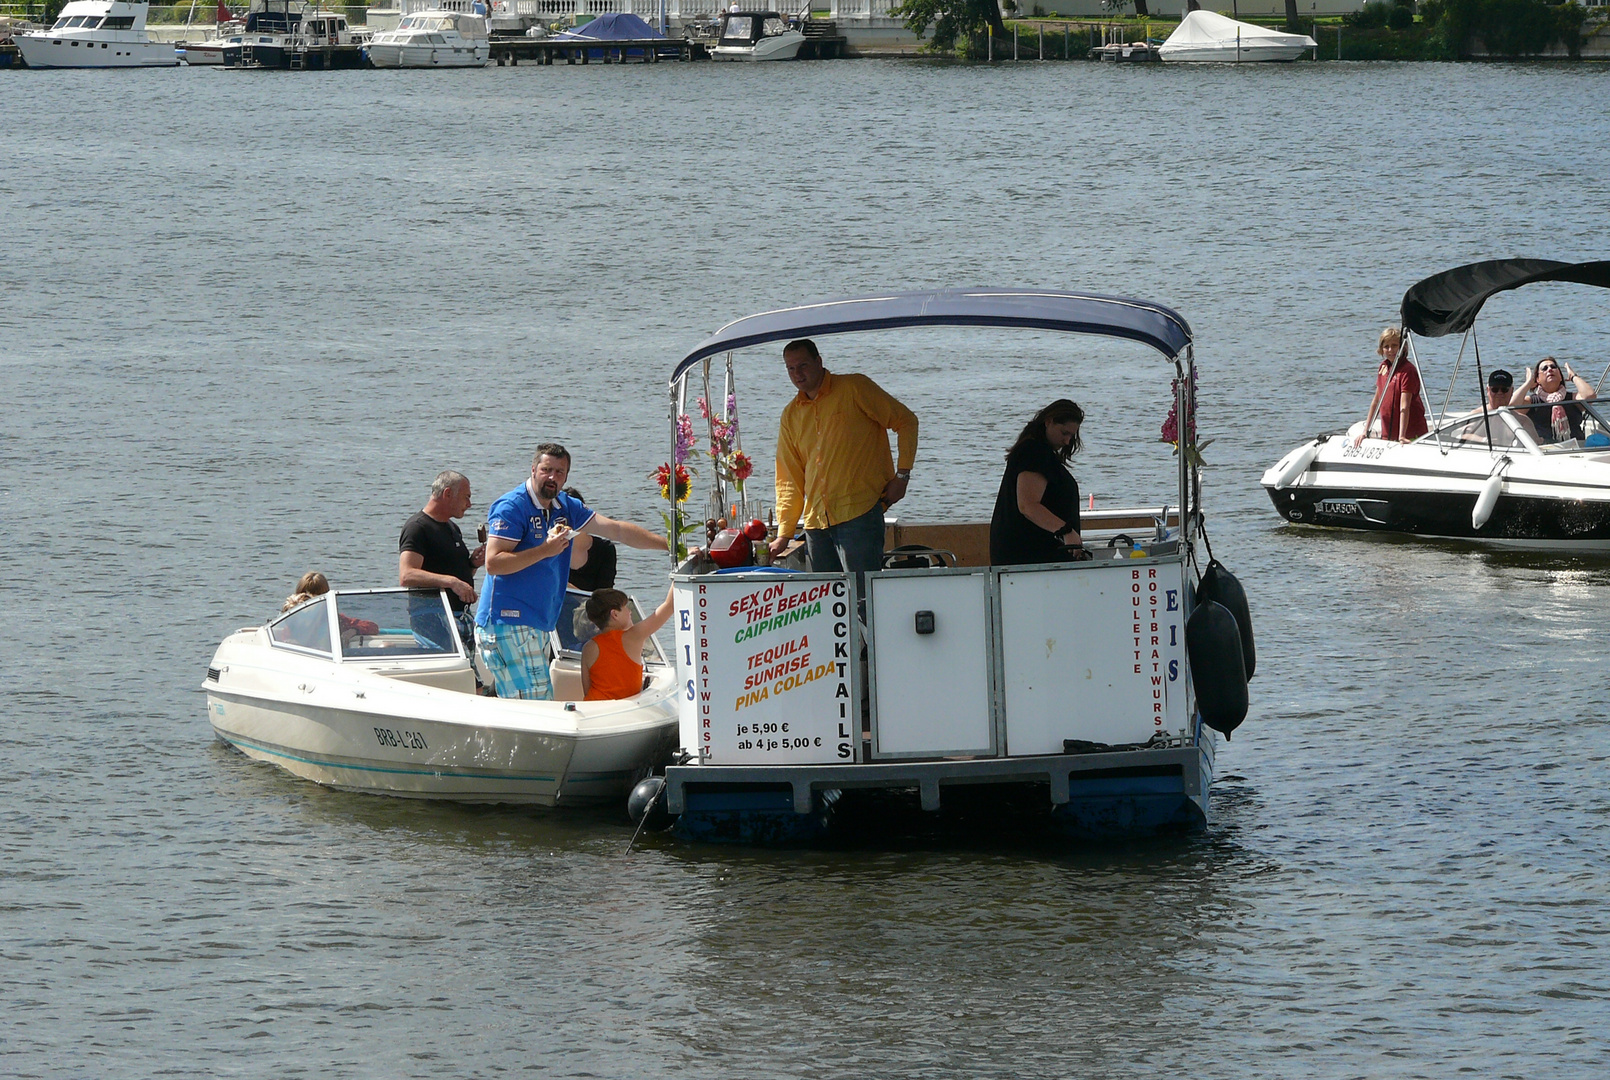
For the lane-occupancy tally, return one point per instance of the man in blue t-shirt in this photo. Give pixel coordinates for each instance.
(529, 531)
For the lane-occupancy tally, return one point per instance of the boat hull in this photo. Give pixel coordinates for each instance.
(1543, 502)
(429, 56)
(1103, 796)
(1230, 54)
(780, 47)
(202, 55)
(60, 51)
(429, 759)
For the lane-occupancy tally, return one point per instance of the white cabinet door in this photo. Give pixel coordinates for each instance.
(931, 691)
(1088, 652)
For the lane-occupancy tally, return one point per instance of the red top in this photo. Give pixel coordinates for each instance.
(614, 675)
(1405, 380)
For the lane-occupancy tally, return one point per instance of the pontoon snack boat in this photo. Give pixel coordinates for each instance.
(373, 691)
(1086, 681)
(756, 35)
(1501, 476)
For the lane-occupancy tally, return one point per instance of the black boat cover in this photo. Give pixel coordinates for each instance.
(1447, 303)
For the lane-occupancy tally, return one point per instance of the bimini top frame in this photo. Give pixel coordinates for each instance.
(1035, 309)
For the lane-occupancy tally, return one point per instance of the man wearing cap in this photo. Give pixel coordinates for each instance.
(1499, 385)
(834, 471)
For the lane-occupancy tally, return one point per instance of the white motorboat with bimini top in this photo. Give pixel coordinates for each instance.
(756, 35)
(97, 34)
(374, 691)
(1089, 685)
(435, 37)
(1206, 37)
(1533, 472)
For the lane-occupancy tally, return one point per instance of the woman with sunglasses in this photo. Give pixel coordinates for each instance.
(1546, 393)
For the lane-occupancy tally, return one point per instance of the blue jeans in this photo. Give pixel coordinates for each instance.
(855, 545)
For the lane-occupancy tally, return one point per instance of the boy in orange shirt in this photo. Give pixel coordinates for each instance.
(610, 668)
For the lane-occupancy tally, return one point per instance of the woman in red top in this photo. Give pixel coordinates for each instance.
(1397, 392)
(610, 668)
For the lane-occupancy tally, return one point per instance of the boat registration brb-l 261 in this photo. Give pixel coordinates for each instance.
(1093, 682)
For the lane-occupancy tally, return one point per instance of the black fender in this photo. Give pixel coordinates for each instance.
(1221, 587)
(1218, 672)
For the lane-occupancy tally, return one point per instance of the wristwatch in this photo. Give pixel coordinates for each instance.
(1064, 531)
(902, 474)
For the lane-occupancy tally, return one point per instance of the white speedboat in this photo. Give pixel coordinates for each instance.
(756, 35)
(1207, 37)
(434, 38)
(97, 34)
(374, 691)
(1504, 476)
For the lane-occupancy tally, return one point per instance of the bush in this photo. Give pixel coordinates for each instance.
(1401, 18)
(1371, 16)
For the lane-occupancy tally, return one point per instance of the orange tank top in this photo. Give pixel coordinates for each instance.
(614, 675)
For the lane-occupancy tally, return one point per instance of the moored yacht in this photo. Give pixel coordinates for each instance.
(756, 35)
(1530, 474)
(289, 35)
(97, 34)
(437, 37)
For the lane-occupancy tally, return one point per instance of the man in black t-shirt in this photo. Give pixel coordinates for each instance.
(431, 551)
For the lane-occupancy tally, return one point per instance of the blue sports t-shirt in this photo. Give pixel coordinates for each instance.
(533, 596)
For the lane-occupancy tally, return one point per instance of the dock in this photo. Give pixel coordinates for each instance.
(511, 50)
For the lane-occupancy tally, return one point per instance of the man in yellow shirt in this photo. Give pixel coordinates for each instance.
(834, 471)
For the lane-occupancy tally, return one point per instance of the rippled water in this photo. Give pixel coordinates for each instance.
(246, 318)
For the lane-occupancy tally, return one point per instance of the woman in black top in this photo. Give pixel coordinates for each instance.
(1037, 509)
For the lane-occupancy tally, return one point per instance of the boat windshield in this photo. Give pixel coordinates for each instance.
(1565, 426)
(774, 27)
(396, 625)
(1472, 430)
(305, 627)
(737, 28)
(575, 629)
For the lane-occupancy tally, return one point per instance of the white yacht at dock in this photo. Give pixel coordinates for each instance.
(97, 34)
(435, 33)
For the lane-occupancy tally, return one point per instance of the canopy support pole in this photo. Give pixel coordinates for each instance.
(1481, 387)
(1452, 380)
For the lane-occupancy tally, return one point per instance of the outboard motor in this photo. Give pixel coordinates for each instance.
(1218, 671)
(1221, 587)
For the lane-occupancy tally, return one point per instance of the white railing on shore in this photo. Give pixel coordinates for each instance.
(676, 11)
(864, 9)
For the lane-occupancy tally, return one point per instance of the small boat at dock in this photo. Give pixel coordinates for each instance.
(756, 35)
(1206, 37)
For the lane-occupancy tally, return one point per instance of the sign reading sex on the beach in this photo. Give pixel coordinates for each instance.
(765, 669)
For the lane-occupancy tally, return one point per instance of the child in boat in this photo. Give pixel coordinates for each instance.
(610, 665)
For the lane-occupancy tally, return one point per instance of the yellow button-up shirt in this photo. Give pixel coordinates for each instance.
(833, 451)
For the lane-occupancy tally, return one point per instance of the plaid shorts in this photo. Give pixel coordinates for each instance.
(517, 656)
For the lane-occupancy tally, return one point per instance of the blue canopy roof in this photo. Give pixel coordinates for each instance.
(1039, 309)
(613, 27)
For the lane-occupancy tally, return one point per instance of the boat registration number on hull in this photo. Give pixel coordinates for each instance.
(401, 740)
(1338, 508)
